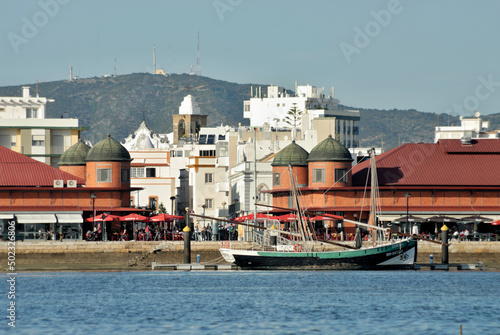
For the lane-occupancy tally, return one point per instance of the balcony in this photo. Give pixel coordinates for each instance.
(222, 162)
(222, 186)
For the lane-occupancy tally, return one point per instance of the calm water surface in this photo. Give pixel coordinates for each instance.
(244, 302)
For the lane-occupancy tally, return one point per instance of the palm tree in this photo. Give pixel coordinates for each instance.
(293, 118)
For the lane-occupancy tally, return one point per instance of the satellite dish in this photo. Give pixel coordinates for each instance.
(477, 114)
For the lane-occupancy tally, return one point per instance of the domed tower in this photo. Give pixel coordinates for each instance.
(108, 165)
(292, 155)
(73, 160)
(330, 164)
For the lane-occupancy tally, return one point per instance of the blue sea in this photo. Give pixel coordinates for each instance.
(248, 302)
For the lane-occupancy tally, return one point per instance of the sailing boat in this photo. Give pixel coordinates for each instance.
(302, 253)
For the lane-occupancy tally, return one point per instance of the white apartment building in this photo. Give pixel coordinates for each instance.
(272, 109)
(24, 128)
(470, 127)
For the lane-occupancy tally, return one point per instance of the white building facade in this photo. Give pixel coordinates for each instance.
(470, 127)
(272, 109)
(24, 128)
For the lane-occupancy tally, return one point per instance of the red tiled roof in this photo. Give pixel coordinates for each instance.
(53, 209)
(429, 209)
(19, 170)
(484, 146)
(446, 163)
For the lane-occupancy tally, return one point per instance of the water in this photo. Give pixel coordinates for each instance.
(246, 302)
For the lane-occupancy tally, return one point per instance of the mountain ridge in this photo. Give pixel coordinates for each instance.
(118, 104)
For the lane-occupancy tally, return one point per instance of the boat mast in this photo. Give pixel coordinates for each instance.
(373, 191)
(296, 200)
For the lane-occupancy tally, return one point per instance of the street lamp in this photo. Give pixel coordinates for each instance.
(93, 196)
(104, 235)
(224, 208)
(407, 195)
(204, 206)
(172, 207)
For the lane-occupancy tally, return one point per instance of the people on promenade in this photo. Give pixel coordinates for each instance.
(148, 233)
(123, 235)
(209, 233)
(196, 234)
(60, 233)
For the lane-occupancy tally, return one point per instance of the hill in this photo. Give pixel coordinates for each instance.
(117, 105)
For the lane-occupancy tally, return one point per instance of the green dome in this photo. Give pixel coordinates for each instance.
(75, 155)
(329, 150)
(292, 154)
(108, 150)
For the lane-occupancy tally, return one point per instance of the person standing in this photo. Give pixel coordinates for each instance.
(209, 233)
(60, 233)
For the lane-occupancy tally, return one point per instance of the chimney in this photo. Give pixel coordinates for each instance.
(26, 91)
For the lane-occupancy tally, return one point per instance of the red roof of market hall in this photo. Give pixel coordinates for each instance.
(17, 170)
(446, 163)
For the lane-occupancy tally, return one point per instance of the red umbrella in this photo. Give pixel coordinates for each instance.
(321, 218)
(107, 217)
(165, 218)
(496, 223)
(288, 217)
(250, 217)
(134, 217)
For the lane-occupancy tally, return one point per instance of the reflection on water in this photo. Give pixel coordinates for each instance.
(247, 302)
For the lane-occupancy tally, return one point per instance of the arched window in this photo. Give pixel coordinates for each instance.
(263, 197)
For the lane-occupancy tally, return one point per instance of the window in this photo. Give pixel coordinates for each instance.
(38, 140)
(132, 201)
(211, 139)
(103, 175)
(153, 203)
(209, 178)
(207, 153)
(150, 172)
(262, 197)
(125, 176)
(247, 107)
(31, 113)
(209, 203)
(318, 175)
(341, 175)
(276, 179)
(137, 172)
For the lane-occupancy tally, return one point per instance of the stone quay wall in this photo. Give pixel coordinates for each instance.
(130, 255)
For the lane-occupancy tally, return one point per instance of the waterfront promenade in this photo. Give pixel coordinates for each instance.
(130, 255)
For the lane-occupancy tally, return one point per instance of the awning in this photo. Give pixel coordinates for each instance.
(6, 216)
(69, 218)
(36, 218)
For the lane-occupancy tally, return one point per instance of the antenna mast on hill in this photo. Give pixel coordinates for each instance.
(154, 59)
(198, 65)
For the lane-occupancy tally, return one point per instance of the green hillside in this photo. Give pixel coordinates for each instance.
(115, 105)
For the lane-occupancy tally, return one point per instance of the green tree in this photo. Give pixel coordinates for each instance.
(293, 118)
(161, 209)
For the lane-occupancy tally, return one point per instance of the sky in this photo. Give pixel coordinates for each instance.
(432, 56)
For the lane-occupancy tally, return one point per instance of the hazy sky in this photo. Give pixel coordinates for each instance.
(433, 56)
